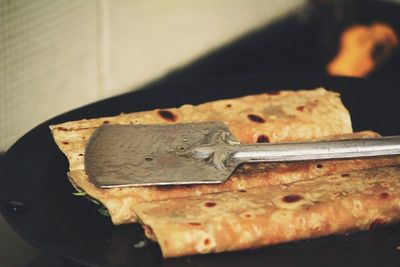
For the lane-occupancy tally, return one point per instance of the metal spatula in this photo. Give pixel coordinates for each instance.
(200, 153)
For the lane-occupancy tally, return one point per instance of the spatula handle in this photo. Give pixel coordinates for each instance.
(341, 149)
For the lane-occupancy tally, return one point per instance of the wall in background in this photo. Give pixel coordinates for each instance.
(59, 55)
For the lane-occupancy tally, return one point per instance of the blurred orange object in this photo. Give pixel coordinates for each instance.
(362, 48)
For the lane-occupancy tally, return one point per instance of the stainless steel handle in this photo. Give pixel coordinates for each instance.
(315, 150)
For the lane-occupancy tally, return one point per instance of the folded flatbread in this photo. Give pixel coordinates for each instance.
(122, 203)
(268, 215)
(282, 116)
(278, 117)
(261, 203)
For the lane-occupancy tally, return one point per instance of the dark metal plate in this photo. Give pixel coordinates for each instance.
(36, 197)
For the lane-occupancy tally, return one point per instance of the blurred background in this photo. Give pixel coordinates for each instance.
(59, 55)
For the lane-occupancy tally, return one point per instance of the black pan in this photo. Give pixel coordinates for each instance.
(37, 201)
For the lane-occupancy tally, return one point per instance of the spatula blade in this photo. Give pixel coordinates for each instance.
(141, 155)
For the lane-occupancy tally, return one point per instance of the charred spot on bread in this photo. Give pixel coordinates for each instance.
(210, 204)
(62, 129)
(300, 108)
(383, 195)
(292, 198)
(263, 139)
(345, 175)
(194, 223)
(255, 118)
(167, 115)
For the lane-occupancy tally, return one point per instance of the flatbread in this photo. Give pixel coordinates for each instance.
(279, 117)
(284, 116)
(261, 204)
(262, 216)
(122, 203)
